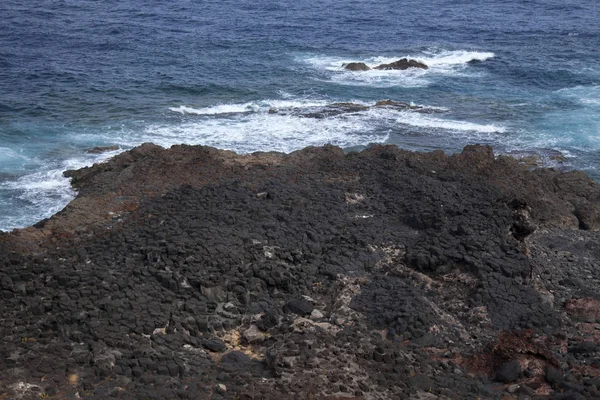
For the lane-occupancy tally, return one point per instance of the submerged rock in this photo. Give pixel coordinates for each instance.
(391, 103)
(102, 149)
(301, 307)
(326, 111)
(508, 372)
(336, 109)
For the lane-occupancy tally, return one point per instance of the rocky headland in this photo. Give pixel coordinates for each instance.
(197, 273)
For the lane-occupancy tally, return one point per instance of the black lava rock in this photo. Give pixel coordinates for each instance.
(421, 382)
(584, 348)
(234, 360)
(508, 372)
(214, 344)
(554, 375)
(301, 307)
(268, 320)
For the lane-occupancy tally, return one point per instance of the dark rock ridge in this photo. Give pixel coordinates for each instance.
(193, 272)
(402, 64)
(336, 109)
(329, 110)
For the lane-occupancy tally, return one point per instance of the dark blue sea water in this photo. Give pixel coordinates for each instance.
(521, 75)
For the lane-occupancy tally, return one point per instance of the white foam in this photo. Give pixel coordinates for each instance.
(457, 57)
(6, 152)
(46, 191)
(580, 125)
(587, 95)
(382, 79)
(219, 109)
(426, 121)
(268, 132)
(9, 155)
(431, 58)
(261, 131)
(250, 107)
(439, 62)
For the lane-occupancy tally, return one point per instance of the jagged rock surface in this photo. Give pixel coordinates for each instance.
(198, 273)
(357, 66)
(402, 64)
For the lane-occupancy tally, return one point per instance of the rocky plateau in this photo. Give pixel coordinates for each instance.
(197, 273)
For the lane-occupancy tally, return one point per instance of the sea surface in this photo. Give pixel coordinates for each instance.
(520, 75)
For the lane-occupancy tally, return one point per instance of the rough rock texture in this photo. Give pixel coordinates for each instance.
(339, 109)
(357, 66)
(198, 273)
(402, 64)
(102, 149)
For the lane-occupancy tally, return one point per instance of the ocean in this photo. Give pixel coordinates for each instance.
(520, 75)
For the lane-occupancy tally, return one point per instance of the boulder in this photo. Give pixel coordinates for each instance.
(300, 307)
(357, 66)
(253, 335)
(214, 344)
(402, 64)
(508, 372)
(235, 357)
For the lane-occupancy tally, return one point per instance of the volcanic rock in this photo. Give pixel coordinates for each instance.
(319, 112)
(434, 273)
(235, 358)
(357, 66)
(402, 64)
(253, 335)
(584, 347)
(554, 375)
(391, 103)
(214, 344)
(508, 372)
(102, 149)
(301, 307)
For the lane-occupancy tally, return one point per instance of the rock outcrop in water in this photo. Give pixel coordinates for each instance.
(198, 273)
(329, 110)
(337, 109)
(402, 64)
(357, 66)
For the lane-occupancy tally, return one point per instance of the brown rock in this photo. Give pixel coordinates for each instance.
(584, 309)
(530, 161)
(560, 158)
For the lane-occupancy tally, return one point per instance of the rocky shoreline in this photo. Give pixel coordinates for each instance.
(196, 273)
